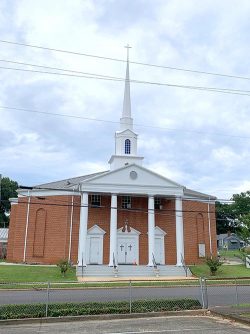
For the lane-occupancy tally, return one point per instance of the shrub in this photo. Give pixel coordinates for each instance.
(64, 266)
(213, 264)
(93, 308)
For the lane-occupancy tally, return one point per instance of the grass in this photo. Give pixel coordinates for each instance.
(230, 253)
(35, 274)
(234, 271)
(19, 273)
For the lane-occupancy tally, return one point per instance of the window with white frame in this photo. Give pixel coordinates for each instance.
(126, 202)
(95, 200)
(127, 146)
(158, 204)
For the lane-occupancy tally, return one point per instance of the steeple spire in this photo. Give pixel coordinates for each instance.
(126, 120)
(126, 101)
(126, 138)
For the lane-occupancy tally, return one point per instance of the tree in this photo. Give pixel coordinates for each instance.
(8, 189)
(226, 218)
(235, 217)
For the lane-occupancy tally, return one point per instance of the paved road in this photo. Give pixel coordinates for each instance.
(217, 296)
(167, 325)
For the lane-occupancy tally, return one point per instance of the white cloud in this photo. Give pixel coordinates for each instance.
(208, 35)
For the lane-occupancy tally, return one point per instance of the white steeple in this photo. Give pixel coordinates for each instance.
(126, 120)
(126, 138)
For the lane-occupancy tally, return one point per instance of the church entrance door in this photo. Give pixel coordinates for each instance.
(126, 251)
(159, 250)
(94, 253)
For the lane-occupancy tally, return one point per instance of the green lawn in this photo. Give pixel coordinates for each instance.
(12, 273)
(230, 253)
(223, 271)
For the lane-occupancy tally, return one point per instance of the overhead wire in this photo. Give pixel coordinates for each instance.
(117, 122)
(122, 60)
(109, 78)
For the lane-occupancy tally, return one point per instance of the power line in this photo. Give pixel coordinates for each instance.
(108, 78)
(142, 210)
(56, 68)
(116, 122)
(122, 60)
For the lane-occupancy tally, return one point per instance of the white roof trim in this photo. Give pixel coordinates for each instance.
(159, 231)
(133, 231)
(96, 230)
(140, 167)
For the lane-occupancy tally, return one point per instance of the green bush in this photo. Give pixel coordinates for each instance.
(93, 308)
(213, 264)
(64, 266)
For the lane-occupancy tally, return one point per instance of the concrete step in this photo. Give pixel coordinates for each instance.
(130, 271)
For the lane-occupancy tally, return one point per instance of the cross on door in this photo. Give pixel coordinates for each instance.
(130, 247)
(121, 247)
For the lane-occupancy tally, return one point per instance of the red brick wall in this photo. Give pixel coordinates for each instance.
(57, 228)
(193, 212)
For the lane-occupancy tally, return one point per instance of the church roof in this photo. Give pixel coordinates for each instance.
(69, 183)
(190, 192)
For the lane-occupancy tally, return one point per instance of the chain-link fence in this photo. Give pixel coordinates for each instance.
(29, 300)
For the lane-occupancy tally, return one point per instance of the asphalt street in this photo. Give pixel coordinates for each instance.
(217, 296)
(167, 325)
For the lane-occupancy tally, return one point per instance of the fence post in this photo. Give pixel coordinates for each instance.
(205, 293)
(204, 296)
(47, 300)
(130, 297)
(236, 292)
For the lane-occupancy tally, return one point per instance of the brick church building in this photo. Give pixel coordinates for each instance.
(127, 215)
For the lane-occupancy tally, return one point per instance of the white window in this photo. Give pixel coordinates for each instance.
(95, 200)
(126, 202)
(127, 146)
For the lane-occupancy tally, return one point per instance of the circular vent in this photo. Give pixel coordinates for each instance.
(133, 175)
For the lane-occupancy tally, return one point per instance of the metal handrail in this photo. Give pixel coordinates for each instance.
(114, 264)
(185, 267)
(154, 262)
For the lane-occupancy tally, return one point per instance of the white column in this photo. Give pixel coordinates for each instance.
(151, 230)
(179, 231)
(113, 230)
(83, 228)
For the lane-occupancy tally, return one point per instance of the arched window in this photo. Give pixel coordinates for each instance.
(127, 146)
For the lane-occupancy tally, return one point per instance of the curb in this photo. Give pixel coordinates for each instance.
(103, 317)
(242, 320)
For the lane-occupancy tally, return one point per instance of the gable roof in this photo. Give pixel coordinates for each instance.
(146, 170)
(70, 183)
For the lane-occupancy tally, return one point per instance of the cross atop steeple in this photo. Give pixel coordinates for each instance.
(127, 47)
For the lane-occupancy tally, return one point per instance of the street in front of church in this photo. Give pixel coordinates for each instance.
(217, 295)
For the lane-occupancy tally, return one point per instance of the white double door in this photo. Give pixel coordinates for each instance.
(127, 250)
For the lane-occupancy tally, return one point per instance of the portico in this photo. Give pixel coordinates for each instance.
(124, 242)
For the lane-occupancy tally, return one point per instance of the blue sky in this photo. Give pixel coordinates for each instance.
(199, 142)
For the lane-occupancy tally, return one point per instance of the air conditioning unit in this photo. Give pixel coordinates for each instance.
(128, 206)
(160, 207)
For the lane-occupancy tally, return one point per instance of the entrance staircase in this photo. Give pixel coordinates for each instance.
(99, 271)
